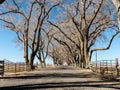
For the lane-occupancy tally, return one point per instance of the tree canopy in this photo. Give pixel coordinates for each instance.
(60, 28)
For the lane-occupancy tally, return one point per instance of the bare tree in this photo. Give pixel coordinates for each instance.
(1, 1)
(69, 50)
(88, 20)
(58, 53)
(117, 5)
(27, 19)
(42, 53)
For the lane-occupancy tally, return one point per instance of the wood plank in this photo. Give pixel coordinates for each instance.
(1, 61)
(1, 67)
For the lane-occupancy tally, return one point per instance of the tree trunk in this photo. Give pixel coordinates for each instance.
(87, 61)
(80, 61)
(30, 65)
(26, 48)
(41, 64)
(86, 53)
(44, 63)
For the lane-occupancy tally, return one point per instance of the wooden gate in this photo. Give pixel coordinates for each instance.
(1, 68)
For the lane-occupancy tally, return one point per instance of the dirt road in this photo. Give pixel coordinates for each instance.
(58, 78)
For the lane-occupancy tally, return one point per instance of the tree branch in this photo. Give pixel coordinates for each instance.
(110, 42)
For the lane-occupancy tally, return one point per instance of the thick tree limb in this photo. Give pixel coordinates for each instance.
(61, 31)
(110, 42)
(63, 43)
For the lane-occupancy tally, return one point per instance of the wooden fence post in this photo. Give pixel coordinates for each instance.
(15, 67)
(1, 68)
(8, 67)
(36, 66)
(117, 66)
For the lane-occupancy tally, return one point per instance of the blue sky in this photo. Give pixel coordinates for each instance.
(110, 54)
(8, 48)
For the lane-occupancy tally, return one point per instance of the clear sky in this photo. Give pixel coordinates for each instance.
(8, 48)
(110, 54)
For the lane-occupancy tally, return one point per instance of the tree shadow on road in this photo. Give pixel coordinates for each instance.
(61, 85)
(51, 75)
(65, 84)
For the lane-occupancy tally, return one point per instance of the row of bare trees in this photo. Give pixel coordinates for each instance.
(84, 23)
(60, 28)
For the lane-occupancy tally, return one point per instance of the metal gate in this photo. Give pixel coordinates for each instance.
(109, 67)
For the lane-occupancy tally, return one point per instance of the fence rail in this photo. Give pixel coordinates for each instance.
(11, 67)
(15, 67)
(106, 67)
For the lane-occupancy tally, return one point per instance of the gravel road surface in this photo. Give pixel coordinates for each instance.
(57, 78)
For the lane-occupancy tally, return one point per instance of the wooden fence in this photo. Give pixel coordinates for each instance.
(11, 67)
(14, 67)
(106, 67)
(1, 68)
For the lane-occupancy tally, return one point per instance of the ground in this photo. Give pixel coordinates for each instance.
(57, 78)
